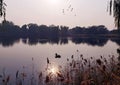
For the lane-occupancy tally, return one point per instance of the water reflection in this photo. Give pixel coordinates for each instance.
(83, 71)
(62, 70)
(116, 40)
(91, 41)
(6, 42)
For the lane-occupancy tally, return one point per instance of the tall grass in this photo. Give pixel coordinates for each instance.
(82, 71)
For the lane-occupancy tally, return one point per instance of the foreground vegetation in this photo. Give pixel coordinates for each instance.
(88, 72)
(80, 71)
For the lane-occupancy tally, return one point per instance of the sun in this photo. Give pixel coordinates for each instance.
(54, 1)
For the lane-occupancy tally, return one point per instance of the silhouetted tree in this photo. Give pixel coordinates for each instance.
(54, 31)
(8, 29)
(92, 30)
(2, 9)
(64, 31)
(24, 31)
(114, 7)
(33, 29)
(43, 31)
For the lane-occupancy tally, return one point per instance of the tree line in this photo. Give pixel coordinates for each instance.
(8, 29)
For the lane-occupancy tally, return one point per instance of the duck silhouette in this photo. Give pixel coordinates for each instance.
(57, 56)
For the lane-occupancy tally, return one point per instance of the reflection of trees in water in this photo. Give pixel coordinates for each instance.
(90, 41)
(5, 42)
(116, 40)
(35, 41)
(54, 40)
(57, 40)
(63, 41)
(32, 41)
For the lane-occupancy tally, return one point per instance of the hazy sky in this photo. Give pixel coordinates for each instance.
(88, 12)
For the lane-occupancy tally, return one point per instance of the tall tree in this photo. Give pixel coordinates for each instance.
(2, 9)
(114, 9)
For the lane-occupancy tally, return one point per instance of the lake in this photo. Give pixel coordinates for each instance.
(21, 54)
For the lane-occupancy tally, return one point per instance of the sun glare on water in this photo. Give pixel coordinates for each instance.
(53, 70)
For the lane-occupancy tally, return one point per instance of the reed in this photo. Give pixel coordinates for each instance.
(82, 71)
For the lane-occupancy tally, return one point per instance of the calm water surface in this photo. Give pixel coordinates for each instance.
(13, 56)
